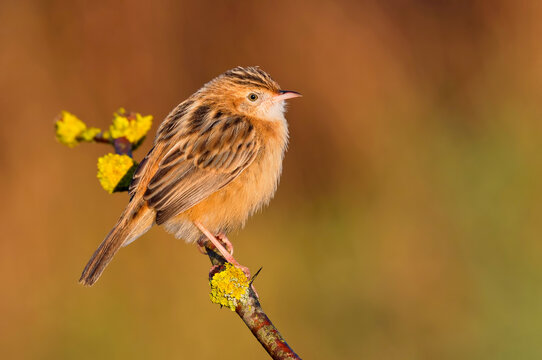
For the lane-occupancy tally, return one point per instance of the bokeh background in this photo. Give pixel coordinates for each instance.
(407, 223)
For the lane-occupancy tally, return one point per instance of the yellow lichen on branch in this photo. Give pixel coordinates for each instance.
(229, 287)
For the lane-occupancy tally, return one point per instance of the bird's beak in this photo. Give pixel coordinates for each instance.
(286, 94)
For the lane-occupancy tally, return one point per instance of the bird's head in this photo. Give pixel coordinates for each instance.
(249, 91)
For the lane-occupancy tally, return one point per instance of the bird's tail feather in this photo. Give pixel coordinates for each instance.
(127, 229)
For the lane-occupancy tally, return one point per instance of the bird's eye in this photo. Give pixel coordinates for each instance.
(252, 97)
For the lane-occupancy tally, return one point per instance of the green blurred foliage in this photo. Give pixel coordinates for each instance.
(407, 223)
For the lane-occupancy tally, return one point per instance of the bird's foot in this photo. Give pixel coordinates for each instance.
(225, 253)
(227, 243)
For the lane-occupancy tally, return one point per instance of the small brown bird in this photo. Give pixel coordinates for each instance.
(216, 159)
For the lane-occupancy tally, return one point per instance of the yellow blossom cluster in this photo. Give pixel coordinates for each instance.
(70, 130)
(132, 126)
(115, 171)
(229, 287)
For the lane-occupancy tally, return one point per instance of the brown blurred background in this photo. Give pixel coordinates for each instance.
(407, 223)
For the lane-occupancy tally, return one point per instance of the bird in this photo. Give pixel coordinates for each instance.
(216, 160)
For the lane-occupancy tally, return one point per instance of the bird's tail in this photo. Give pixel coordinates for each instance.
(132, 224)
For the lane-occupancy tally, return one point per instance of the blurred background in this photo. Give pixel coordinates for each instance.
(407, 222)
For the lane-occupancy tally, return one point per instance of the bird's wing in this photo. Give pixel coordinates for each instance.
(205, 157)
(172, 127)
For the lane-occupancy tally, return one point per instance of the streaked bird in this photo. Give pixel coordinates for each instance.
(216, 159)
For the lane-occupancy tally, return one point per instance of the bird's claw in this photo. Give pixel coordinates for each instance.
(224, 240)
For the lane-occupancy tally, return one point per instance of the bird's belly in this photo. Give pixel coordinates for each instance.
(228, 208)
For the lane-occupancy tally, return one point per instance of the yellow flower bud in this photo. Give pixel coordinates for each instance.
(115, 171)
(69, 128)
(89, 134)
(132, 126)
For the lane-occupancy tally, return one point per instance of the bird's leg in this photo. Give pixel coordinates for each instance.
(203, 250)
(224, 239)
(229, 257)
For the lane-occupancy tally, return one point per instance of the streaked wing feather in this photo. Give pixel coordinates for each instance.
(193, 188)
(139, 173)
(200, 163)
(170, 127)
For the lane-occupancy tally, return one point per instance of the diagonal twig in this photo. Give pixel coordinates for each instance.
(255, 318)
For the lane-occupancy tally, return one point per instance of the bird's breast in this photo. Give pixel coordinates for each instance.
(229, 207)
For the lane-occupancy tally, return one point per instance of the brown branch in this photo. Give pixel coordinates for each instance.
(254, 317)
(122, 145)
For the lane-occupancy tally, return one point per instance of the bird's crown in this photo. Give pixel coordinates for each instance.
(251, 76)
